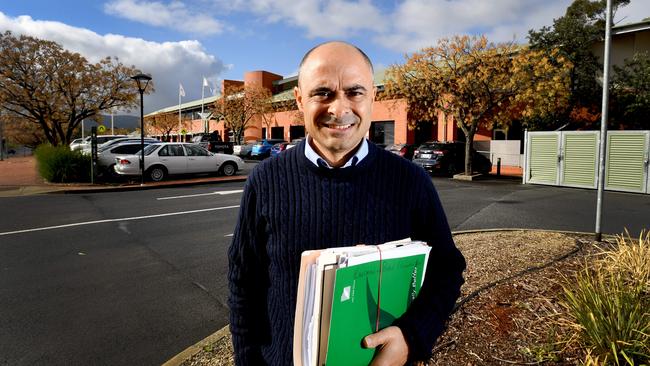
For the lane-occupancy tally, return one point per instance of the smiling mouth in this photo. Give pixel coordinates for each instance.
(340, 127)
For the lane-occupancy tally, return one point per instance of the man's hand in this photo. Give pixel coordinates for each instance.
(392, 348)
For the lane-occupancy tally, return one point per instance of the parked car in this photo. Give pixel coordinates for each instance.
(78, 144)
(106, 157)
(213, 143)
(448, 158)
(263, 148)
(278, 148)
(100, 140)
(294, 142)
(172, 158)
(403, 150)
(110, 144)
(244, 150)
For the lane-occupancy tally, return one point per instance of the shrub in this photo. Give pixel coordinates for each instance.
(608, 304)
(58, 164)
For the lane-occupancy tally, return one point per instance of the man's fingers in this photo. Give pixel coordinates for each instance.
(391, 346)
(376, 339)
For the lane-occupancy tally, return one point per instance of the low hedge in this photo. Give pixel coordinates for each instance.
(57, 164)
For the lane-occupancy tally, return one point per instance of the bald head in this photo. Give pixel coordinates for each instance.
(333, 45)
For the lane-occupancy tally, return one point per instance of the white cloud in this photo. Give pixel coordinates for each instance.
(173, 15)
(636, 11)
(420, 23)
(334, 18)
(409, 25)
(168, 63)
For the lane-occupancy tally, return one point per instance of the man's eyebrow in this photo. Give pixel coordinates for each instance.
(355, 87)
(320, 89)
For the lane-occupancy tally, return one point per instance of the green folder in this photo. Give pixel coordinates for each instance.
(354, 304)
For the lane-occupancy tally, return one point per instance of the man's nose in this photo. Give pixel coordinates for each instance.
(339, 106)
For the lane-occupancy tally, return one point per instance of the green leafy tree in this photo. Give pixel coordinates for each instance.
(631, 93)
(478, 83)
(48, 86)
(573, 35)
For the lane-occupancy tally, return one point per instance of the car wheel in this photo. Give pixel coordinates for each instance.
(228, 169)
(157, 173)
(111, 174)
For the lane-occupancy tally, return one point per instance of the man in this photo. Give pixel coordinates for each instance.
(335, 189)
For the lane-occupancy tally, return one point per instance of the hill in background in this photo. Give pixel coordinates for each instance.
(119, 121)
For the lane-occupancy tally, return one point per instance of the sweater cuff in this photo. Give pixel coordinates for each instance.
(417, 350)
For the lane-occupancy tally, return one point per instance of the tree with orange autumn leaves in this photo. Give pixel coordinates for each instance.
(479, 83)
(240, 105)
(162, 123)
(51, 90)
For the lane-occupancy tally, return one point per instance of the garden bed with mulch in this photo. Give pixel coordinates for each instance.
(508, 306)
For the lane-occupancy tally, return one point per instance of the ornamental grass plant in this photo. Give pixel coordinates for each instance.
(608, 304)
(57, 164)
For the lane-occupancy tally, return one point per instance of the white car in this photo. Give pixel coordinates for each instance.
(78, 144)
(112, 143)
(85, 147)
(170, 158)
(106, 157)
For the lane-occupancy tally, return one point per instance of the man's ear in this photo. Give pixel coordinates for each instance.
(374, 93)
(298, 96)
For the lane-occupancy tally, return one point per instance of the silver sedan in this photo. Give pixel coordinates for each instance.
(171, 158)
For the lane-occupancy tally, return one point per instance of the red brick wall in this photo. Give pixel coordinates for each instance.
(261, 78)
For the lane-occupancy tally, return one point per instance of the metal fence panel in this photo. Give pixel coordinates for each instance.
(542, 167)
(579, 164)
(625, 168)
(570, 158)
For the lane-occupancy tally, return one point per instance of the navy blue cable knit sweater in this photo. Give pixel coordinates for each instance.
(290, 205)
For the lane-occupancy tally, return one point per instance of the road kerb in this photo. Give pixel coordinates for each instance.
(197, 347)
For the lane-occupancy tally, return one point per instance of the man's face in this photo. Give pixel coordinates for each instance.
(335, 94)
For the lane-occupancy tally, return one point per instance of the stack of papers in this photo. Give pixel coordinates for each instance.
(347, 293)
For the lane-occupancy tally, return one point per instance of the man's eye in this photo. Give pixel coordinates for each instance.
(354, 93)
(323, 94)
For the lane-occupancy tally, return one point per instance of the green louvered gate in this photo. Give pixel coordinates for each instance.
(626, 167)
(579, 159)
(542, 152)
(570, 158)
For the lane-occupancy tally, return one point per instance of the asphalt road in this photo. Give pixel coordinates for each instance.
(132, 278)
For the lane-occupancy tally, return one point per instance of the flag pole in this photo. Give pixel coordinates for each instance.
(205, 129)
(179, 112)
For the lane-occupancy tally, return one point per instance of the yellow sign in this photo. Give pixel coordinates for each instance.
(101, 129)
(183, 132)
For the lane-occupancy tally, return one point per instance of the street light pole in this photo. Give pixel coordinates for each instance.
(140, 79)
(603, 122)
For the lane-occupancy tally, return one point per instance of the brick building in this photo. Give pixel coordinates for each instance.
(389, 117)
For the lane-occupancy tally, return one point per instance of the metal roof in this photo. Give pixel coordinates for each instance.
(188, 105)
(631, 27)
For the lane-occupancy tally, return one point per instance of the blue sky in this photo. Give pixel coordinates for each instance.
(180, 41)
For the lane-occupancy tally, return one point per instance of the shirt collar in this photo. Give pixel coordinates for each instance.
(312, 155)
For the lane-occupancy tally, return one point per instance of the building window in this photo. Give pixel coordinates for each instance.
(382, 133)
(296, 132)
(277, 132)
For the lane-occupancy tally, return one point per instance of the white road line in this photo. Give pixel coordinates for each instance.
(228, 235)
(115, 220)
(221, 193)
